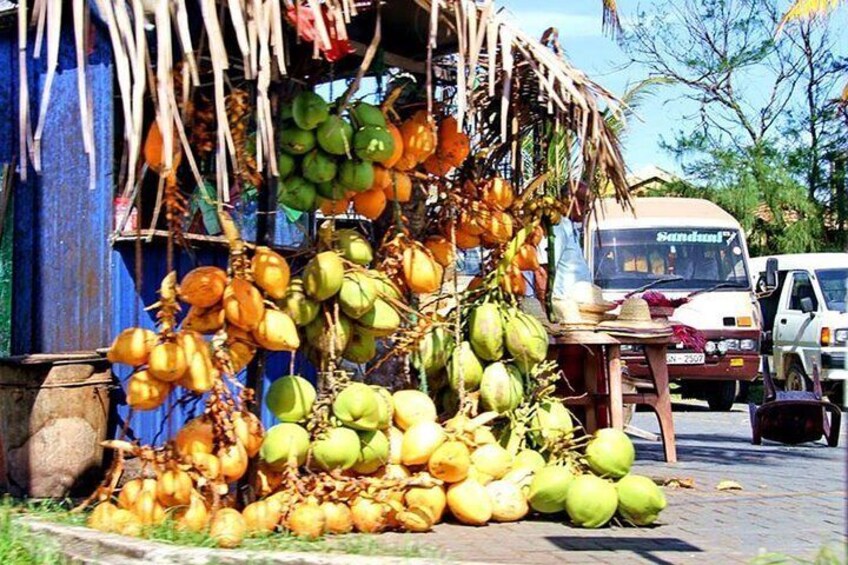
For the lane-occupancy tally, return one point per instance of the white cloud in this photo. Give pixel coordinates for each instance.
(569, 25)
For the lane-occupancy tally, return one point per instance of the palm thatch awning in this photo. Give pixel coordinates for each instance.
(505, 81)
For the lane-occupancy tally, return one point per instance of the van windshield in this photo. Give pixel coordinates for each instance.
(834, 285)
(691, 260)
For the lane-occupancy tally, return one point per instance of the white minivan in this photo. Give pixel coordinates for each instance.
(803, 302)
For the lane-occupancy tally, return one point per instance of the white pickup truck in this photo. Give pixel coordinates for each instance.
(803, 302)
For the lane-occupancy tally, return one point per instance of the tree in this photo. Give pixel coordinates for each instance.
(764, 126)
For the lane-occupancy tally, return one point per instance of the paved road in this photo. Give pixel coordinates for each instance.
(793, 502)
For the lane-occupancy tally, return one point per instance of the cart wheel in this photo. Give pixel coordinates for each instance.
(721, 395)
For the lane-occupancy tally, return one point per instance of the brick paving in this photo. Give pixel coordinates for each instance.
(792, 502)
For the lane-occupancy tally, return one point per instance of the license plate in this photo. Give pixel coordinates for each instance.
(685, 358)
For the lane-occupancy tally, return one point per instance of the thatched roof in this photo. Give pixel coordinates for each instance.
(501, 74)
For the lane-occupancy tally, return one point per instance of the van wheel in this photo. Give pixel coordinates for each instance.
(722, 395)
(796, 378)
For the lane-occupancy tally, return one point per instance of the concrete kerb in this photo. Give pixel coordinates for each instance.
(84, 545)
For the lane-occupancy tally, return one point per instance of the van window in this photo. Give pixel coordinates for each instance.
(834, 286)
(802, 287)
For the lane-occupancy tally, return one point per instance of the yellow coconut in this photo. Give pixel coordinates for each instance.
(450, 462)
(249, 431)
(101, 517)
(243, 304)
(469, 502)
(306, 520)
(432, 498)
(234, 462)
(492, 460)
(395, 444)
(174, 488)
(261, 516)
(271, 272)
(203, 287)
(227, 527)
(484, 435)
(144, 392)
(147, 509)
(132, 347)
(195, 517)
(412, 407)
(201, 374)
(207, 465)
(126, 523)
(277, 332)
(338, 518)
(369, 516)
(420, 441)
(132, 488)
(508, 502)
(415, 519)
(196, 436)
(394, 472)
(240, 354)
(167, 362)
(204, 320)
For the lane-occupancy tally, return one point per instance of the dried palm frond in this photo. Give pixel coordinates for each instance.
(805, 9)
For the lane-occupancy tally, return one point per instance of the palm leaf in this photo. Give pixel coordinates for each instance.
(806, 9)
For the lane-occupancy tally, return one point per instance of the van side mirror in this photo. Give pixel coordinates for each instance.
(771, 274)
(807, 305)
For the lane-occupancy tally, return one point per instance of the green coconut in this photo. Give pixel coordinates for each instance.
(331, 190)
(357, 294)
(323, 339)
(525, 339)
(317, 167)
(358, 407)
(387, 406)
(549, 489)
(309, 110)
(591, 501)
(373, 452)
(297, 193)
(285, 164)
(361, 348)
(297, 305)
(364, 114)
(354, 246)
(323, 276)
(385, 287)
(501, 389)
(640, 500)
(610, 453)
(357, 176)
(285, 111)
(381, 320)
(551, 422)
(335, 136)
(373, 143)
(290, 398)
(296, 141)
(486, 333)
(282, 443)
(528, 459)
(337, 449)
(433, 351)
(463, 358)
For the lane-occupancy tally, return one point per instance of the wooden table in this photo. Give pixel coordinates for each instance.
(604, 399)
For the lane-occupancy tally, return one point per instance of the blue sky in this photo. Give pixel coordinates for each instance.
(579, 24)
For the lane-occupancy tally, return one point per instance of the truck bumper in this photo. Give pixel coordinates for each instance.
(738, 367)
(833, 365)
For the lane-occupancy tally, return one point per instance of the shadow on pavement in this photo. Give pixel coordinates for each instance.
(643, 547)
(726, 449)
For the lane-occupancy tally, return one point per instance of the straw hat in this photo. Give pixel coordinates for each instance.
(567, 313)
(635, 319)
(589, 297)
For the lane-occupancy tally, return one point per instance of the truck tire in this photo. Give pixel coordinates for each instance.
(796, 378)
(721, 395)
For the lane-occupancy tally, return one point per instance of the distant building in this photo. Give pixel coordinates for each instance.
(649, 179)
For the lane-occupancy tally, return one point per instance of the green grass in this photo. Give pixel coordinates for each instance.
(18, 547)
